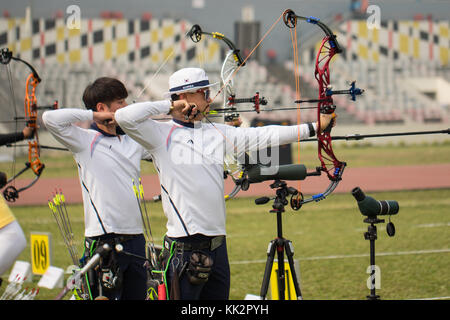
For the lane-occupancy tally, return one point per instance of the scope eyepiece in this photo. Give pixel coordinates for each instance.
(358, 194)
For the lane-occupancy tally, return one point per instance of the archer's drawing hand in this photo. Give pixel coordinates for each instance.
(184, 110)
(105, 118)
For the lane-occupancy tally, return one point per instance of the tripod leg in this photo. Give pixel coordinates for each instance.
(281, 272)
(269, 263)
(373, 274)
(371, 235)
(290, 253)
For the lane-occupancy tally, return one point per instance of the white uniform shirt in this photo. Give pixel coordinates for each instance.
(189, 160)
(106, 166)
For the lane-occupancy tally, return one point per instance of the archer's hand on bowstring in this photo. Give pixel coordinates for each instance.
(105, 118)
(327, 119)
(183, 110)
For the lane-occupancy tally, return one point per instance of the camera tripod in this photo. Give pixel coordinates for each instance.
(371, 235)
(279, 245)
(370, 208)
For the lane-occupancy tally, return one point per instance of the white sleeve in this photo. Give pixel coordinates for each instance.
(60, 123)
(135, 121)
(146, 155)
(255, 138)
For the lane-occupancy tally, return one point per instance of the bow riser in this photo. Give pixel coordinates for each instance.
(31, 113)
(324, 56)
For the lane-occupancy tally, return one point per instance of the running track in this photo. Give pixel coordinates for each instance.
(368, 179)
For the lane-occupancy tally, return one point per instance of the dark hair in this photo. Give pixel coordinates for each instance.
(103, 90)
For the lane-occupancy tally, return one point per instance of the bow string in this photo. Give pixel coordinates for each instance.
(233, 61)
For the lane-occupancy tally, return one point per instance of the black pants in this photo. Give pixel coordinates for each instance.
(218, 285)
(132, 276)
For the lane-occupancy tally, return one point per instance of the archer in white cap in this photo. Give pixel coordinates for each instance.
(189, 87)
(189, 157)
(188, 80)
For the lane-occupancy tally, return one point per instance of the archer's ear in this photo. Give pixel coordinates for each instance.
(101, 107)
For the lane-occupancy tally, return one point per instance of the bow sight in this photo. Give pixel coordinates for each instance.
(353, 91)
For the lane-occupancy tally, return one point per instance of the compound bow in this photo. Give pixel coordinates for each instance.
(232, 63)
(329, 163)
(31, 111)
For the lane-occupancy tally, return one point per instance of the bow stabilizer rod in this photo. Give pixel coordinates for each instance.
(353, 91)
(358, 136)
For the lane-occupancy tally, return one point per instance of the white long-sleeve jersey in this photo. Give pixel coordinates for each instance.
(107, 165)
(189, 159)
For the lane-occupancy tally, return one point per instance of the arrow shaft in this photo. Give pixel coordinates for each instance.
(252, 110)
(10, 145)
(341, 92)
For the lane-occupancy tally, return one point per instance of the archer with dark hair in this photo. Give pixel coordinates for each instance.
(103, 90)
(108, 161)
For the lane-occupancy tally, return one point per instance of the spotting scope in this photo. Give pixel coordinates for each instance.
(281, 172)
(371, 207)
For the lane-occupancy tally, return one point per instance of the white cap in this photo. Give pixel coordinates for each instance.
(188, 80)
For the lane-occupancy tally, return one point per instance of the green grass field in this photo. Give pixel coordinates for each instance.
(327, 236)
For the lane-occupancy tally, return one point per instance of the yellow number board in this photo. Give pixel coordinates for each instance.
(40, 252)
(289, 291)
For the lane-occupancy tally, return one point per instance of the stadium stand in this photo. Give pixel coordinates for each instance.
(403, 82)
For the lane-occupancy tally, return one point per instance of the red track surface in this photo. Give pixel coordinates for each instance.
(368, 179)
